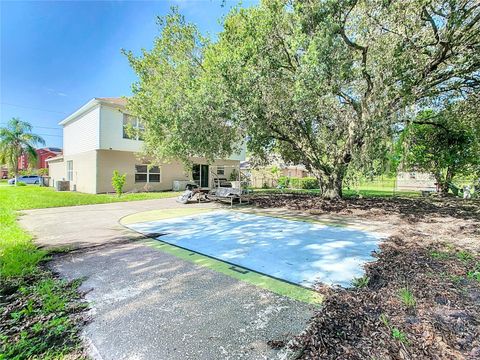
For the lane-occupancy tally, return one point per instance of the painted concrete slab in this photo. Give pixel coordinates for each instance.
(300, 252)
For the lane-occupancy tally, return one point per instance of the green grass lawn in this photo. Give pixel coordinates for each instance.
(379, 187)
(39, 306)
(35, 197)
(18, 255)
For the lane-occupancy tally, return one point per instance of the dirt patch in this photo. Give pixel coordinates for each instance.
(419, 300)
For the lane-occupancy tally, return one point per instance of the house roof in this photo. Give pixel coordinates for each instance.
(51, 149)
(119, 101)
(251, 164)
(109, 101)
(56, 158)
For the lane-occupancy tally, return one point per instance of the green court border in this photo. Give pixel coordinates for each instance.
(263, 281)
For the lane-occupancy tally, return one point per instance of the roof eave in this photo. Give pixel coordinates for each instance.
(89, 105)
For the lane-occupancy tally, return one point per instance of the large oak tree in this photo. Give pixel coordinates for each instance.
(319, 82)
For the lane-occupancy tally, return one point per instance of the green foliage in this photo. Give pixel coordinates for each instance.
(464, 256)
(439, 255)
(184, 113)
(361, 282)
(18, 255)
(17, 139)
(42, 172)
(118, 182)
(20, 183)
(474, 274)
(396, 333)
(304, 183)
(234, 175)
(320, 83)
(407, 298)
(445, 143)
(42, 328)
(283, 181)
(399, 335)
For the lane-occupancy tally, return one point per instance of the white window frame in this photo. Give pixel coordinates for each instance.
(70, 170)
(137, 126)
(220, 169)
(148, 173)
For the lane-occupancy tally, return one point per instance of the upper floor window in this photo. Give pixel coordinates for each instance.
(220, 170)
(132, 128)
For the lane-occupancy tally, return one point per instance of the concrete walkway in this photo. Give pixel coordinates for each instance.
(146, 304)
(90, 225)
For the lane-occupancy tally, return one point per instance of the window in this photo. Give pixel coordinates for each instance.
(221, 170)
(132, 128)
(144, 174)
(70, 170)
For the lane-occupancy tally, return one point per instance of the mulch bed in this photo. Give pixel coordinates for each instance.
(406, 207)
(358, 323)
(373, 322)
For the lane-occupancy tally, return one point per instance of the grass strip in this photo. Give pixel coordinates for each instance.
(263, 281)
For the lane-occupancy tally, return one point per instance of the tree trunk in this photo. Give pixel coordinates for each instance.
(330, 185)
(332, 190)
(444, 183)
(16, 171)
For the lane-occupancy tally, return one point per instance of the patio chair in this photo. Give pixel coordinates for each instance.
(227, 194)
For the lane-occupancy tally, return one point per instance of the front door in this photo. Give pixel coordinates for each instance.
(200, 175)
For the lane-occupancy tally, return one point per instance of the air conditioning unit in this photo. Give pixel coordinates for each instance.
(62, 185)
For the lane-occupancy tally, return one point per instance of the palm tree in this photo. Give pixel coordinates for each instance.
(17, 139)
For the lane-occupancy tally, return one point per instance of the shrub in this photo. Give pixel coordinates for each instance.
(20, 183)
(309, 183)
(118, 181)
(294, 183)
(304, 183)
(283, 181)
(42, 172)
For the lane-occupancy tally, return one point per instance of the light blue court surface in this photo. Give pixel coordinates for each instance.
(300, 252)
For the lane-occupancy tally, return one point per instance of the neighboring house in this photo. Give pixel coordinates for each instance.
(415, 181)
(97, 141)
(43, 155)
(263, 176)
(3, 172)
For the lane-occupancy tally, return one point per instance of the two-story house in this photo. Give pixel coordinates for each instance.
(97, 139)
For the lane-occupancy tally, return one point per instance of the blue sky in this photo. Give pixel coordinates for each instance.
(57, 55)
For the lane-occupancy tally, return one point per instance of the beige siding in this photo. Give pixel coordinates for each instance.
(84, 171)
(56, 171)
(82, 134)
(124, 162)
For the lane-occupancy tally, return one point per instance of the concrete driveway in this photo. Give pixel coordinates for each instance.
(147, 304)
